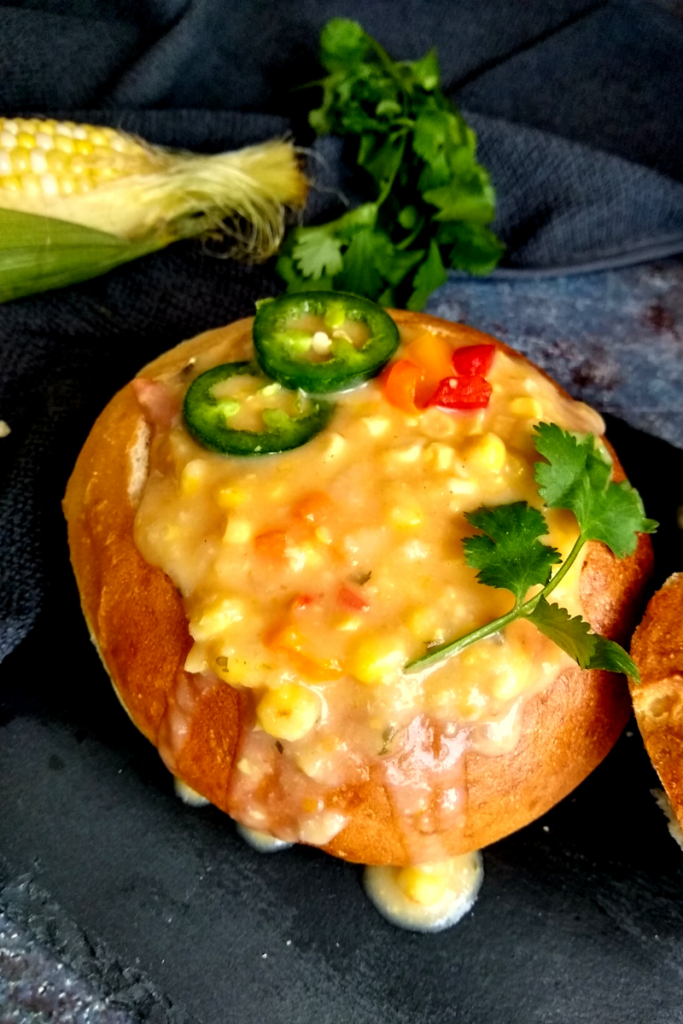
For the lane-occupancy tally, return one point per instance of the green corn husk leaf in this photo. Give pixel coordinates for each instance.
(39, 253)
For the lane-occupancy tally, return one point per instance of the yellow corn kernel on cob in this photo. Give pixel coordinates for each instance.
(104, 180)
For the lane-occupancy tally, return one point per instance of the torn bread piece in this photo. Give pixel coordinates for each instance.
(657, 649)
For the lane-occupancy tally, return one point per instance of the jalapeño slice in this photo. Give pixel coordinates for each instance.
(208, 416)
(323, 341)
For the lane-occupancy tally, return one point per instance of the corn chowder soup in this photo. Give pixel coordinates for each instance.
(311, 577)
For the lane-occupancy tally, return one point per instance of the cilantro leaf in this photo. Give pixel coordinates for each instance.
(343, 44)
(430, 275)
(431, 132)
(475, 248)
(296, 282)
(417, 167)
(361, 273)
(317, 252)
(613, 658)
(574, 636)
(473, 199)
(510, 555)
(426, 71)
(577, 476)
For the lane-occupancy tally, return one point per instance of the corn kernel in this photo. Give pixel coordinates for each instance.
(98, 137)
(312, 557)
(21, 160)
(406, 515)
(457, 486)
(423, 623)
(56, 161)
(5, 163)
(238, 531)
(486, 454)
(407, 454)
(347, 623)
(49, 185)
(191, 477)
(30, 185)
(439, 456)
(336, 445)
(244, 671)
(11, 183)
(64, 144)
(231, 497)
(196, 659)
(288, 712)
(26, 140)
(528, 407)
(38, 161)
(376, 659)
(376, 425)
(425, 884)
(437, 424)
(216, 618)
(323, 535)
(7, 140)
(513, 677)
(44, 140)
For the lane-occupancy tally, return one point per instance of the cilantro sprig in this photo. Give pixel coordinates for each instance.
(429, 200)
(509, 554)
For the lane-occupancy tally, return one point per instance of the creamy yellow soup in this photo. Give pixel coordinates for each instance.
(311, 577)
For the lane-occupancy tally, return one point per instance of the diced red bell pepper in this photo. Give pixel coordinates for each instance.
(473, 360)
(301, 602)
(462, 393)
(351, 599)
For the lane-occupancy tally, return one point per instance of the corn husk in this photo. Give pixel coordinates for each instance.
(40, 253)
(154, 197)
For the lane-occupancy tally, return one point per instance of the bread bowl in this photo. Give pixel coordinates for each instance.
(461, 759)
(657, 649)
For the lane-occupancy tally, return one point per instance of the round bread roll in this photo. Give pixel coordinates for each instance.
(137, 620)
(657, 650)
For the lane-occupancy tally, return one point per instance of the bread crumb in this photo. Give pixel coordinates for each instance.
(138, 455)
(664, 804)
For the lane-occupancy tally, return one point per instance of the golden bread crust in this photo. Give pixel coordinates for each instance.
(657, 650)
(136, 618)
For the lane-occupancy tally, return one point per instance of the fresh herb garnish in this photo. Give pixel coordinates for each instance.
(430, 198)
(508, 553)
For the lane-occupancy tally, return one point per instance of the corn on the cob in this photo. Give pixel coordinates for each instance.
(105, 180)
